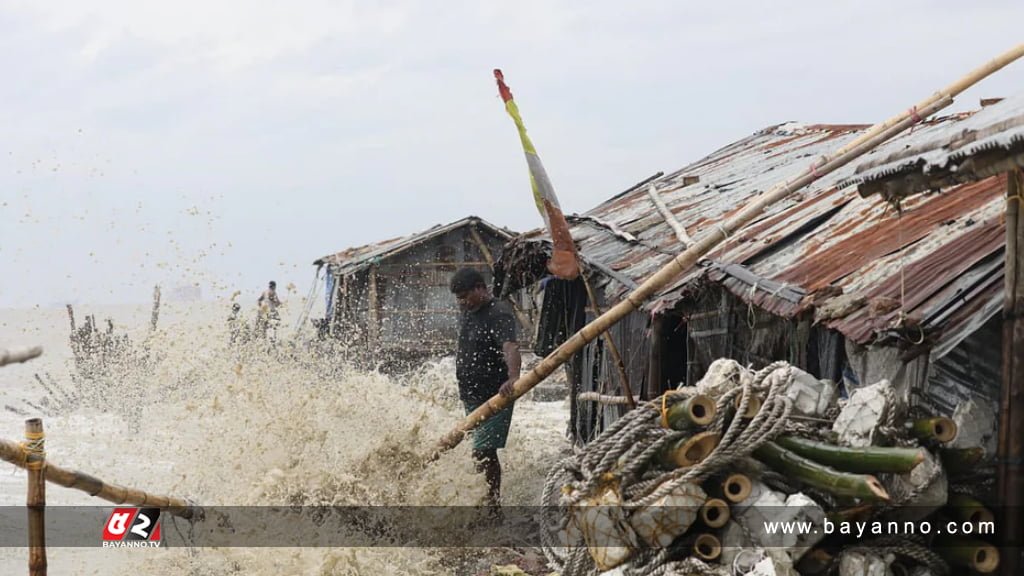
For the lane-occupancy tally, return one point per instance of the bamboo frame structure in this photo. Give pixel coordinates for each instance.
(616, 356)
(35, 501)
(16, 454)
(685, 261)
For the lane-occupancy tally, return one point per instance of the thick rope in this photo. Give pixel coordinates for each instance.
(625, 449)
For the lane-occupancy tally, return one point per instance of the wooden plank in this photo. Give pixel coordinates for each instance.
(373, 307)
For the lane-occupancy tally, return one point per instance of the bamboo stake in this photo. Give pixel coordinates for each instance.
(14, 453)
(684, 261)
(616, 357)
(19, 355)
(35, 444)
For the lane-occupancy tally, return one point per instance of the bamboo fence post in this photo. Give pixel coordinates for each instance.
(15, 453)
(35, 444)
(684, 261)
(616, 357)
(19, 355)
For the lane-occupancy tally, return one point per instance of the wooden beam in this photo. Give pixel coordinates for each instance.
(1011, 409)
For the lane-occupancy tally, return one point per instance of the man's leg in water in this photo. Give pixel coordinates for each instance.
(487, 463)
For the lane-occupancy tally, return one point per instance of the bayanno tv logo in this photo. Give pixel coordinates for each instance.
(132, 528)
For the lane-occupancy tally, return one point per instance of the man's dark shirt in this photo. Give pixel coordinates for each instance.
(480, 364)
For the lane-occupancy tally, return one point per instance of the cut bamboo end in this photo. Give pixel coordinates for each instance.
(753, 406)
(707, 547)
(985, 559)
(701, 409)
(715, 513)
(694, 449)
(875, 486)
(944, 429)
(940, 429)
(981, 515)
(737, 487)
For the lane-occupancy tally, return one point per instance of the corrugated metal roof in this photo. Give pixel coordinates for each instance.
(946, 156)
(826, 248)
(354, 259)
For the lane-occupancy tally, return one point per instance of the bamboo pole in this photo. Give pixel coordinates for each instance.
(1011, 411)
(862, 460)
(19, 355)
(35, 444)
(616, 357)
(16, 454)
(670, 218)
(684, 261)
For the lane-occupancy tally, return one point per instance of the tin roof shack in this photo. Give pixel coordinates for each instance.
(989, 146)
(828, 280)
(391, 299)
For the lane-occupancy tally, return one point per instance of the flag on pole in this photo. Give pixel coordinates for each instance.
(563, 263)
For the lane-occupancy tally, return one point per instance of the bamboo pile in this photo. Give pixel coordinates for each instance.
(848, 467)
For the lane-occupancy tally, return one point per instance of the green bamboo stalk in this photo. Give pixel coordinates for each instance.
(940, 429)
(809, 472)
(866, 460)
(967, 509)
(961, 460)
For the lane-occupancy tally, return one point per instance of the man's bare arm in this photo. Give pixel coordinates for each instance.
(515, 363)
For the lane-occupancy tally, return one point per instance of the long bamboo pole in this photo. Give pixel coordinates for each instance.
(19, 355)
(684, 261)
(35, 443)
(1010, 481)
(16, 454)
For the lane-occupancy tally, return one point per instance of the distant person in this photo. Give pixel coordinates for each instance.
(268, 304)
(487, 363)
(235, 323)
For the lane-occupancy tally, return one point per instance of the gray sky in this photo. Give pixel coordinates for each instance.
(228, 143)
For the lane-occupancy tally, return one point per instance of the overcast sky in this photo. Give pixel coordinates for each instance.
(228, 143)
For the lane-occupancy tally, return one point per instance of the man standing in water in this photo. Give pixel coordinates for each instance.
(487, 363)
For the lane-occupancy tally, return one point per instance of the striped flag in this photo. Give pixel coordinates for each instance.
(563, 263)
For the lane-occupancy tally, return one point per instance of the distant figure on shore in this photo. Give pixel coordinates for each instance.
(235, 324)
(268, 304)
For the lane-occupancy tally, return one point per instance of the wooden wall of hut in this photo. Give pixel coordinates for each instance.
(401, 305)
